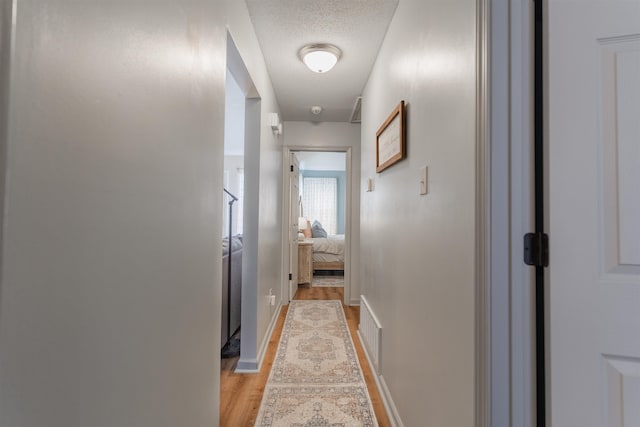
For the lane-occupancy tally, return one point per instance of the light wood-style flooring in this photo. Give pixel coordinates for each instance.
(241, 394)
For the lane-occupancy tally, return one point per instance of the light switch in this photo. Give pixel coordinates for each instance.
(423, 180)
(369, 184)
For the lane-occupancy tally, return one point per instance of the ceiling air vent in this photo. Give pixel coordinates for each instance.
(355, 113)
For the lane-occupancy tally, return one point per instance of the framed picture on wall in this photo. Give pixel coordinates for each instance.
(390, 139)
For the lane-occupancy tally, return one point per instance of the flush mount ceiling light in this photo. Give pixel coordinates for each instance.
(319, 58)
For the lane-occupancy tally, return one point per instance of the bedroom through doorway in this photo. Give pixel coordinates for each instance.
(319, 219)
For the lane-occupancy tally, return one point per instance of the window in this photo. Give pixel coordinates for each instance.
(320, 201)
(240, 201)
(225, 206)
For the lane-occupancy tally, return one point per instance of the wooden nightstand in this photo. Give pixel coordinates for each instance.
(305, 261)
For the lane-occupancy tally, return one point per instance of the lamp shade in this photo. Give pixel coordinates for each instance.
(302, 223)
(320, 58)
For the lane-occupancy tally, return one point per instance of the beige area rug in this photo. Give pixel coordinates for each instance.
(327, 281)
(316, 380)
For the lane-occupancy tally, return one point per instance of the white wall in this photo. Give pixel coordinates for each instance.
(417, 252)
(110, 299)
(335, 134)
(321, 161)
(5, 61)
(257, 314)
(231, 166)
(234, 106)
(109, 309)
(234, 124)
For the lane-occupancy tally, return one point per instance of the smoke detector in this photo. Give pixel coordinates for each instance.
(316, 109)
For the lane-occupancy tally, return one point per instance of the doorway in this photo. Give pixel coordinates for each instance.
(241, 176)
(320, 219)
(233, 215)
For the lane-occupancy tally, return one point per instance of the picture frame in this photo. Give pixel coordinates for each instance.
(390, 139)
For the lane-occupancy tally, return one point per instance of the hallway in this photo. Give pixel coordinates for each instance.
(241, 394)
(112, 119)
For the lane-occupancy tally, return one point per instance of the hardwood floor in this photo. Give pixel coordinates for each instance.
(241, 394)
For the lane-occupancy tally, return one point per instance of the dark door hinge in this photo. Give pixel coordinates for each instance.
(290, 276)
(291, 168)
(536, 249)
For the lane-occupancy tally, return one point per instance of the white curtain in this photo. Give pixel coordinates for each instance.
(320, 201)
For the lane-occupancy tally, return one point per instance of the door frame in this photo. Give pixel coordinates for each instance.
(286, 152)
(505, 346)
(292, 269)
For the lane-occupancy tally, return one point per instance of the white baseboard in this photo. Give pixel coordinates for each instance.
(354, 302)
(252, 366)
(392, 411)
(387, 400)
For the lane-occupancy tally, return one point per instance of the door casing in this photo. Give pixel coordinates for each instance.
(287, 150)
(505, 381)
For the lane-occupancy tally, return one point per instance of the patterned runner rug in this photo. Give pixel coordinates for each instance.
(327, 281)
(316, 379)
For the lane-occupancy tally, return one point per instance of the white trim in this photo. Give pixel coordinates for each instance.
(348, 229)
(505, 370)
(292, 286)
(385, 394)
(286, 212)
(253, 366)
(522, 348)
(483, 390)
(348, 267)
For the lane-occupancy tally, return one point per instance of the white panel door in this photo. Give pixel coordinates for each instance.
(294, 213)
(594, 212)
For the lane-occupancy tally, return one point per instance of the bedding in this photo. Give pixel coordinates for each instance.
(317, 230)
(333, 244)
(328, 252)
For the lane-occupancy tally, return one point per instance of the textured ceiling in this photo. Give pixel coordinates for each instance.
(357, 27)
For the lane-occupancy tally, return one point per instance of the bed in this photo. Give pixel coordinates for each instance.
(328, 252)
(328, 249)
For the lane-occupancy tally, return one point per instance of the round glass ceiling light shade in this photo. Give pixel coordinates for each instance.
(320, 58)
